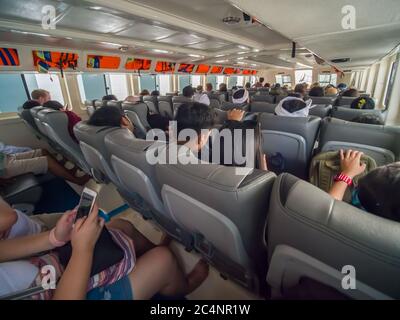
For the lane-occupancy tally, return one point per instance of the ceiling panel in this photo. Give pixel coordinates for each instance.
(144, 31)
(209, 45)
(182, 39)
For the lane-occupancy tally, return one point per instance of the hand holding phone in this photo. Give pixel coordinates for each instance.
(86, 203)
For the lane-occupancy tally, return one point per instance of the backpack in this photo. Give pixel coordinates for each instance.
(325, 166)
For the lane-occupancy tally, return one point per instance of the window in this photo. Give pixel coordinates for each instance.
(13, 93)
(183, 81)
(390, 84)
(283, 80)
(148, 82)
(232, 81)
(195, 81)
(240, 81)
(164, 83)
(91, 86)
(118, 85)
(213, 81)
(325, 79)
(49, 82)
(253, 80)
(302, 76)
(220, 79)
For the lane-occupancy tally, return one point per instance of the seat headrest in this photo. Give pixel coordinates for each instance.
(35, 110)
(165, 98)
(150, 98)
(113, 103)
(133, 105)
(306, 218)
(99, 103)
(181, 99)
(349, 114)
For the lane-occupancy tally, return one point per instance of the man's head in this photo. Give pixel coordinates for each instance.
(316, 92)
(110, 97)
(188, 91)
(376, 191)
(132, 99)
(300, 89)
(144, 92)
(352, 92)
(209, 87)
(110, 117)
(331, 91)
(199, 89)
(342, 86)
(223, 87)
(261, 80)
(155, 93)
(41, 96)
(198, 117)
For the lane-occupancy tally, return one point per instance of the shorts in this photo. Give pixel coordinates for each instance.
(26, 162)
(120, 290)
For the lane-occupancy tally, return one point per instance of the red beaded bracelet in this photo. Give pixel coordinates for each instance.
(344, 178)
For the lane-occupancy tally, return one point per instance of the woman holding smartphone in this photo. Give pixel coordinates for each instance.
(154, 271)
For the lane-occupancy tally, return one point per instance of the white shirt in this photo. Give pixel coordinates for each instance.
(201, 98)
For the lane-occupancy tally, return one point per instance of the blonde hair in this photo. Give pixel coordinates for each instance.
(39, 93)
(331, 91)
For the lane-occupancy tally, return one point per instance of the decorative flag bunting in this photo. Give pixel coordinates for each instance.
(103, 62)
(9, 57)
(137, 64)
(44, 60)
(231, 71)
(203, 68)
(186, 68)
(163, 66)
(216, 69)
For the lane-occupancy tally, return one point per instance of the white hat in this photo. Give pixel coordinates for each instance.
(240, 96)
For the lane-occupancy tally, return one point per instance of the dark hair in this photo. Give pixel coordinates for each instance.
(277, 85)
(53, 104)
(247, 85)
(342, 86)
(209, 86)
(316, 92)
(376, 191)
(369, 118)
(300, 88)
(194, 115)
(106, 116)
(110, 97)
(261, 80)
(365, 103)
(243, 126)
(30, 104)
(222, 87)
(144, 92)
(155, 93)
(267, 85)
(188, 91)
(351, 93)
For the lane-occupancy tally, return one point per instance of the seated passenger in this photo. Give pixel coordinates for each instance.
(247, 85)
(73, 118)
(155, 93)
(188, 92)
(316, 92)
(200, 96)
(342, 87)
(369, 118)
(315, 84)
(144, 92)
(110, 97)
(144, 271)
(364, 103)
(39, 97)
(209, 87)
(110, 117)
(375, 191)
(267, 85)
(37, 162)
(132, 99)
(240, 98)
(223, 87)
(299, 91)
(293, 107)
(352, 92)
(260, 83)
(276, 90)
(331, 91)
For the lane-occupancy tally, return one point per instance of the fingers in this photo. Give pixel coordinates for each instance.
(94, 213)
(79, 223)
(341, 154)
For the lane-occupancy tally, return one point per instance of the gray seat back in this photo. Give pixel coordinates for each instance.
(91, 141)
(27, 117)
(321, 110)
(56, 125)
(280, 97)
(152, 103)
(113, 103)
(379, 142)
(34, 112)
(345, 101)
(317, 236)
(220, 116)
(262, 107)
(263, 98)
(226, 106)
(165, 106)
(216, 99)
(178, 101)
(99, 103)
(137, 113)
(324, 100)
(222, 209)
(263, 91)
(292, 137)
(349, 114)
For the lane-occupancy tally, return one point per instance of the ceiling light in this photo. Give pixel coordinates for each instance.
(68, 38)
(195, 55)
(253, 65)
(243, 47)
(221, 61)
(256, 50)
(241, 62)
(160, 51)
(95, 8)
(31, 33)
(240, 58)
(111, 44)
(242, 52)
(219, 55)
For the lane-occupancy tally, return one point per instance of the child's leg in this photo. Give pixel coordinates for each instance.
(60, 171)
(157, 271)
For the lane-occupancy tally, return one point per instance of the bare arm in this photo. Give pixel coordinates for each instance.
(351, 166)
(8, 217)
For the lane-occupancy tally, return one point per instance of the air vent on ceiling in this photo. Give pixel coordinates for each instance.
(342, 60)
(231, 20)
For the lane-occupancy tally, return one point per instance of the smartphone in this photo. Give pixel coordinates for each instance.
(88, 199)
